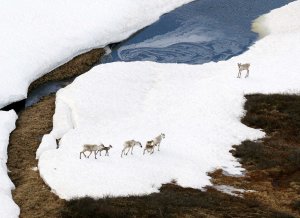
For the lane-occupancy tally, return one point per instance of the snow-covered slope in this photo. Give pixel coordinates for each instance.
(197, 107)
(8, 208)
(38, 36)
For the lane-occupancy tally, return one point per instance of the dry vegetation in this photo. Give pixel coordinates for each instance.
(273, 163)
(171, 201)
(31, 194)
(80, 64)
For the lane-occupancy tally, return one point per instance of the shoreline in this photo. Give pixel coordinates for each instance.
(75, 67)
(30, 192)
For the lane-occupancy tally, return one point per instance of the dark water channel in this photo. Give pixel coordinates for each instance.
(196, 33)
(199, 32)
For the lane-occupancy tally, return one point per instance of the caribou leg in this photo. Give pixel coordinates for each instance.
(90, 154)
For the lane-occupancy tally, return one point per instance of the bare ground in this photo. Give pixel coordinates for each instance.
(80, 64)
(31, 194)
(273, 163)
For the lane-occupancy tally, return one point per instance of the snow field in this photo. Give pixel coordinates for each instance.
(193, 130)
(8, 208)
(197, 107)
(40, 36)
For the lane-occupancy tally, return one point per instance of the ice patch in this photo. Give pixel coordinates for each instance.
(230, 190)
(34, 169)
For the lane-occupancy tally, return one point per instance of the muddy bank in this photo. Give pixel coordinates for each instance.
(31, 194)
(78, 65)
(61, 75)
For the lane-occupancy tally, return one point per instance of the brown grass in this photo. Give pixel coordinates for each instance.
(171, 201)
(80, 64)
(31, 194)
(273, 163)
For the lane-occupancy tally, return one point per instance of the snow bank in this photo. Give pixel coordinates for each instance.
(8, 208)
(197, 107)
(38, 36)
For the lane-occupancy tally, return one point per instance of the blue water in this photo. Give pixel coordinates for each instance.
(45, 90)
(196, 33)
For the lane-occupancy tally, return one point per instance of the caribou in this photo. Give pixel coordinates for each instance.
(91, 148)
(149, 147)
(129, 145)
(243, 67)
(157, 140)
(106, 149)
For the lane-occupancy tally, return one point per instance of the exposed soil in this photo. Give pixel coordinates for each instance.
(79, 65)
(31, 194)
(273, 163)
(171, 201)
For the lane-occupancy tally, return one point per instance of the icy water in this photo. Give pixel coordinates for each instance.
(45, 90)
(196, 33)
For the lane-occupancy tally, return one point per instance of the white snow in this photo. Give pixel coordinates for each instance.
(8, 208)
(197, 107)
(230, 190)
(48, 143)
(34, 169)
(38, 36)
